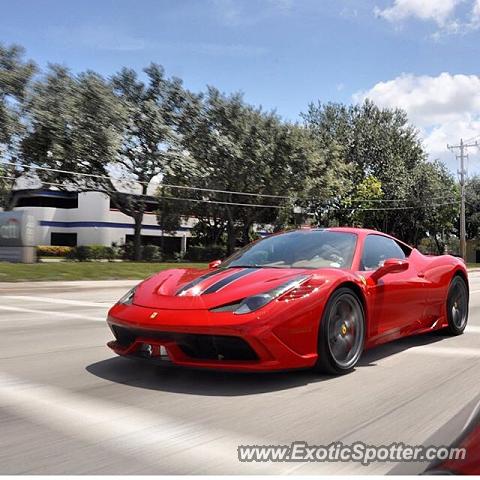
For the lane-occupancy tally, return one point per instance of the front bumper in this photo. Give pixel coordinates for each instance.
(272, 340)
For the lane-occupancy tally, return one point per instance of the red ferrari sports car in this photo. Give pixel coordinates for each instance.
(469, 440)
(305, 298)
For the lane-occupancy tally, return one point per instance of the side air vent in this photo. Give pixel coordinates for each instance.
(299, 292)
(124, 336)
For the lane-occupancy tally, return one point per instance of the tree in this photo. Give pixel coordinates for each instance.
(74, 131)
(5, 187)
(382, 159)
(15, 76)
(75, 126)
(435, 196)
(8, 179)
(150, 143)
(238, 148)
(364, 201)
(472, 207)
(103, 130)
(53, 112)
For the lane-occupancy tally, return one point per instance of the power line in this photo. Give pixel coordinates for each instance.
(397, 200)
(166, 185)
(400, 208)
(210, 190)
(186, 199)
(152, 197)
(472, 139)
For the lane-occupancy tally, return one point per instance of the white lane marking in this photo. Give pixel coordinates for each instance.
(474, 291)
(127, 430)
(60, 301)
(445, 351)
(48, 313)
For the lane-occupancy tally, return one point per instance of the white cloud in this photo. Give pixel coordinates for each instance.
(438, 11)
(441, 12)
(429, 100)
(444, 108)
(476, 12)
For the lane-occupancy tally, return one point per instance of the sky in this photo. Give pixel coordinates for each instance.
(420, 55)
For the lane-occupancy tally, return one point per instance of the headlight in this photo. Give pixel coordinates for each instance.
(255, 302)
(127, 299)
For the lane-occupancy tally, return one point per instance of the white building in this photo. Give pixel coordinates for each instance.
(88, 218)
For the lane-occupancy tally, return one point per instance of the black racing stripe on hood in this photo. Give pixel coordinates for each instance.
(226, 281)
(195, 282)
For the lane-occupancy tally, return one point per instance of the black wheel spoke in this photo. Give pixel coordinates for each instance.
(349, 340)
(339, 347)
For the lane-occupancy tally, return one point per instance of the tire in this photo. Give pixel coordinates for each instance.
(457, 306)
(341, 335)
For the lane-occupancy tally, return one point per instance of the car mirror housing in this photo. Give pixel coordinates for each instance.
(391, 265)
(214, 264)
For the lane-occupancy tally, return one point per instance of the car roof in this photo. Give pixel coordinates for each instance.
(355, 230)
(366, 231)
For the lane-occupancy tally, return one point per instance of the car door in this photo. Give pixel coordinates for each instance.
(397, 299)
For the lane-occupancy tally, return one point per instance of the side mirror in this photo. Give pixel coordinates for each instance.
(214, 264)
(391, 265)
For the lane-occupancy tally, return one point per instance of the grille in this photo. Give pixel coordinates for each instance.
(216, 347)
(197, 346)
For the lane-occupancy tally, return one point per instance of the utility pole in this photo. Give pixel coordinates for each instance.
(462, 156)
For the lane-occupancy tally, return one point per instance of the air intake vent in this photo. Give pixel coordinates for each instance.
(299, 292)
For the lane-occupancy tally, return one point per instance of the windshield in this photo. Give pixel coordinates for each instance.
(298, 249)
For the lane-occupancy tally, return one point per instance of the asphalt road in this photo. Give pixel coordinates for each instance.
(69, 406)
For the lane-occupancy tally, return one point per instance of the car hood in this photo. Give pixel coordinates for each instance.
(204, 289)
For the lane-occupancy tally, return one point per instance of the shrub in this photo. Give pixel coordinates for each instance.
(80, 253)
(99, 252)
(127, 251)
(84, 253)
(178, 256)
(151, 253)
(109, 253)
(53, 251)
(200, 253)
(117, 250)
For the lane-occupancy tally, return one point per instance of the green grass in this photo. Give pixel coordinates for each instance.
(37, 272)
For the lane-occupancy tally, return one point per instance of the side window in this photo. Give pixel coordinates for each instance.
(377, 249)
